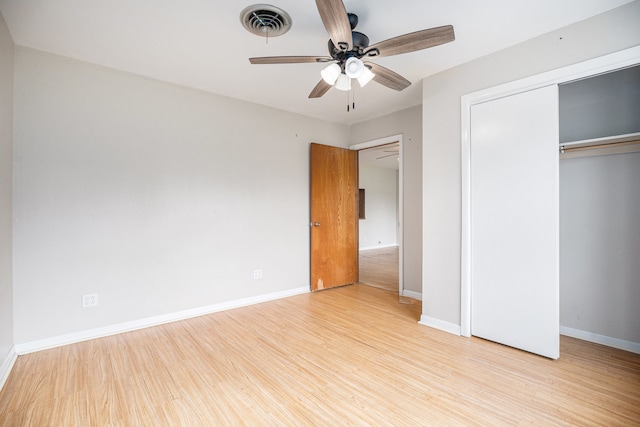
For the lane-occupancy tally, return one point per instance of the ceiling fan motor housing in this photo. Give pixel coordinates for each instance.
(360, 43)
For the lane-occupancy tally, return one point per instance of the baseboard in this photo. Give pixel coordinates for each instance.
(451, 328)
(7, 365)
(370, 248)
(631, 346)
(412, 294)
(90, 334)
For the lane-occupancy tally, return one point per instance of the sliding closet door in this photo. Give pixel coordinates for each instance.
(515, 221)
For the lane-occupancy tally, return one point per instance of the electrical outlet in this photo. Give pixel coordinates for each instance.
(257, 274)
(89, 300)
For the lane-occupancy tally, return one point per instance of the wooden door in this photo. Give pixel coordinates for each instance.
(334, 217)
(515, 221)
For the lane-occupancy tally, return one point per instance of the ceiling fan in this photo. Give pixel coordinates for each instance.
(348, 48)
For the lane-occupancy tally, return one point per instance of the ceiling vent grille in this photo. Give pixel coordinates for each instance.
(265, 20)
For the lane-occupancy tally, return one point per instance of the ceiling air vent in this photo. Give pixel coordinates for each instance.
(265, 20)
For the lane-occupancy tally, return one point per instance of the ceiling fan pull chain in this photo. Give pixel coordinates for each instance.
(353, 99)
(348, 100)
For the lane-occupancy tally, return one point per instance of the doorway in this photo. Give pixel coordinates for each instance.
(381, 192)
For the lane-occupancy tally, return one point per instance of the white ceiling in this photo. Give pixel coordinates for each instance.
(202, 44)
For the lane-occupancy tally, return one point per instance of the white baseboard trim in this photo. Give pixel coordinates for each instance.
(631, 346)
(412, 294)
(370, 248)
(7, 365)
(33, 346)
(452, 328)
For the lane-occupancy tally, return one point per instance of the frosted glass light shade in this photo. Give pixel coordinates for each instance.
(343, 82)
(365, 77)
(353, 67)
(331, 73)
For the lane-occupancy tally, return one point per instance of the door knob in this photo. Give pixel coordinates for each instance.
(315, 224)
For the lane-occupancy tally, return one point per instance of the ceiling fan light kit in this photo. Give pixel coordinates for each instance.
(365, 77)
(331, 73)
(343, 83)
(347, 48)
(353, 67)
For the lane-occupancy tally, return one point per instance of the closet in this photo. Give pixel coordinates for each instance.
(551, 208)
(600, 207)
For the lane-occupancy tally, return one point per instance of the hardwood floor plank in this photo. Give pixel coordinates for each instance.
(347, 356)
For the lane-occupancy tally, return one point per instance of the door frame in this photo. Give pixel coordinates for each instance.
(384, 141)
(620, 59)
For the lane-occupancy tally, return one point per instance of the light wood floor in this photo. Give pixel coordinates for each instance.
(379, 268)
(350, 356)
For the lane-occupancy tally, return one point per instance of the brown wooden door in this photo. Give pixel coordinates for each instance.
(334, 217)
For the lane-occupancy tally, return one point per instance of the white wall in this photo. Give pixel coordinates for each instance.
(600, 245)
(408, 123)
(612, 31)
(6, 173)
(381, 189)
(156, 197)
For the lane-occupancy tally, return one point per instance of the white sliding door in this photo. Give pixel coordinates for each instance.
(515, 221)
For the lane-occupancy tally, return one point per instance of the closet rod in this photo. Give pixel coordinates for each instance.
(565, 148)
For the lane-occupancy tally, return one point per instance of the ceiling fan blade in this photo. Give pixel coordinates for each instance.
(321, 88)
(336, 20)
(289, 59)
(388, 78)
(415, 41)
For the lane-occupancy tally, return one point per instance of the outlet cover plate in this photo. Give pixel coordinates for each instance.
(89, 300)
